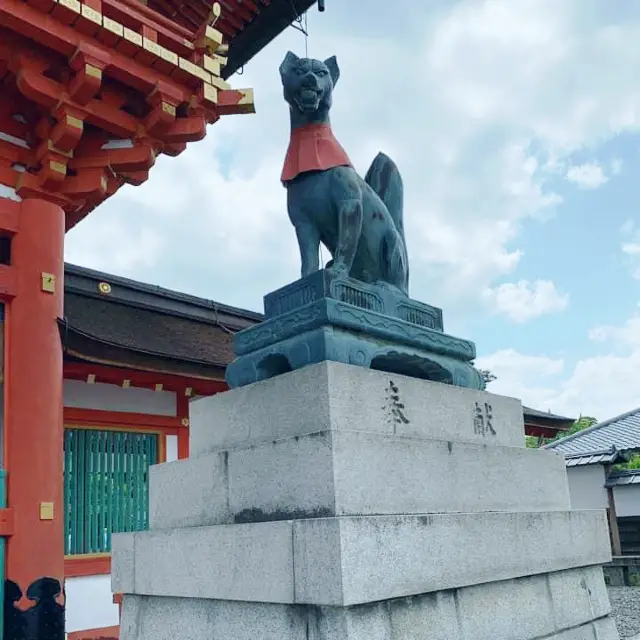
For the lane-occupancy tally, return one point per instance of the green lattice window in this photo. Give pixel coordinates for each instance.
(106, 488)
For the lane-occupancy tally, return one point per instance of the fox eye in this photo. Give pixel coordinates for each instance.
(298, 71)
(322, 73)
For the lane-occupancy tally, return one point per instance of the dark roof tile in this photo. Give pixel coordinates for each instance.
(535, 413)
(621, 432)
(149, 331)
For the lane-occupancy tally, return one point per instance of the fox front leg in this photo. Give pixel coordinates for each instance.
(350, 218)
(309, 244)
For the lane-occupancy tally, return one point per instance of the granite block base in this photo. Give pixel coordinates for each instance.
(565, 605)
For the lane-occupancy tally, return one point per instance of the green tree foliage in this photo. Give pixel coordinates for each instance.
(583, 422)
(633, 463)
(487, 376)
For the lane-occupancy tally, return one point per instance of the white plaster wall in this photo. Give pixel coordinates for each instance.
(110, 397)
(586, 487)
(172, 448)
(627, 500)
(90, 603)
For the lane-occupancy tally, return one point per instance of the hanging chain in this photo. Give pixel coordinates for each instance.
(300, 23)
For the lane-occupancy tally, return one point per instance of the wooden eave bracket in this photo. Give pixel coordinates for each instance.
(236, 101)
(6, 522)
(88, 62)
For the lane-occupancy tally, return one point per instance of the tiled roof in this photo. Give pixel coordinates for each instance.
(84, 281)
(149, 321)
(608, 456)
(621, 432)
(149, 331)
(535, 413)
(623, 478)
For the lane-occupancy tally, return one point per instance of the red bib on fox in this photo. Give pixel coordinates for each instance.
(313, 147)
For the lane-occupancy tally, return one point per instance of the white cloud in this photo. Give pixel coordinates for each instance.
(616, 166)
(631, 246)
(133, 248)
(478, 115)
(627, 227)
(587, 176)
(531, 378)
(601, 385)
(628, 335)
(523, 300)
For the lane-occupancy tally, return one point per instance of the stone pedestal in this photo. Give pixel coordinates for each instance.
(339, 503)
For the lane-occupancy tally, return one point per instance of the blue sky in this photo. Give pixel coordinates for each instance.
(515, 125)
(579, 250)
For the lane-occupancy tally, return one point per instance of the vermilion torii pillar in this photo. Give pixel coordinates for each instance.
(33, 427)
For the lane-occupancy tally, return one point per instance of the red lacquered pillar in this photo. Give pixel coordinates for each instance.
(183, 434)
(33, 427)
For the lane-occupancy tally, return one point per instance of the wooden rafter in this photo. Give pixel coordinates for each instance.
(183, 385)
(139, 80)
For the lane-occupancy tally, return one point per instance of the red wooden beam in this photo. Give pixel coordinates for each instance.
(79, 566)
(48, 93)
(138, 11)
(236, 11)
(537, 431)
(143, 379)
(64, 39)
(170, 34)
(124, 419)
(103, 633)
(228, 30)
(252, 6)
(234, 20)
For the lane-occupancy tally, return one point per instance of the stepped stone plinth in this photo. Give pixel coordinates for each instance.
(336, 502)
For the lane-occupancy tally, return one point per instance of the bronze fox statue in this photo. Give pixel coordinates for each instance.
(359, 221)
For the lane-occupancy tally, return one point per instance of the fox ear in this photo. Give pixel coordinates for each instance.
(334, 70)
(289, 60)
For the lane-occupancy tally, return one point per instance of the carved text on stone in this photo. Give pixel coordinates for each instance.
(395, 406)
(483, 419)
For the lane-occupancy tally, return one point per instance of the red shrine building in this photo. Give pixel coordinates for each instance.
(133, 357)
(91, 92)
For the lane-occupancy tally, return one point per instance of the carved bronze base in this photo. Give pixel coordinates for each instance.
(44, 620)
(322, 318)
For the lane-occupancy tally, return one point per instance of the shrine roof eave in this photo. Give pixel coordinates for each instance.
(79, 347)
(119, 322)
(87, 282)
(544, 418)
(269, 23)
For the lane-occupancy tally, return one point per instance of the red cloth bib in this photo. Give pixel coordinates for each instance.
(313, 147)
